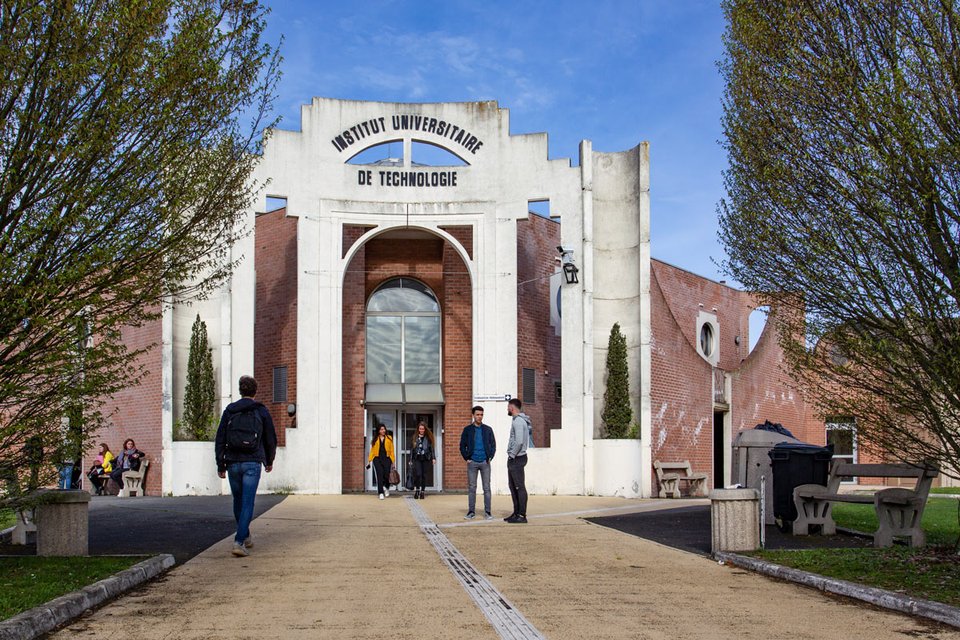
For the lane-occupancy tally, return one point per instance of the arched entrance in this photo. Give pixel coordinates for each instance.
(407, 346)
(402, 369)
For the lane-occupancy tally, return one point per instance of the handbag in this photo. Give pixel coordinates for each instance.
(408, 482)
(394, 477)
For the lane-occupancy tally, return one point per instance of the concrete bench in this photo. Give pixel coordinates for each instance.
(899, 510)
(670, 474)
(133, 480)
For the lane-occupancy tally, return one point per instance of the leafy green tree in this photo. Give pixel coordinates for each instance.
(842, 123)
(128, 132)
(200, 393)
(616, 414)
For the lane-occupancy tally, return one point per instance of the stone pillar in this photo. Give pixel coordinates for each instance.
(62, 520)
(734, 520)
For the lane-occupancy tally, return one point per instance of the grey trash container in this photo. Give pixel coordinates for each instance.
(751, 460)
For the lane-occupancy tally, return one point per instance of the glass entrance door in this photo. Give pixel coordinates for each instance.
(401, 425)
(410, 421)
(375, 418)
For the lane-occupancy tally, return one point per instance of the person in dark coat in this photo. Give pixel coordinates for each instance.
(242, 464)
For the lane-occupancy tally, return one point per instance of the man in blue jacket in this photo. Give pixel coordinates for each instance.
(246, 439)
(477, 446)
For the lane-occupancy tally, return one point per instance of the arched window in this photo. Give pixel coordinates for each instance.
(403, 334)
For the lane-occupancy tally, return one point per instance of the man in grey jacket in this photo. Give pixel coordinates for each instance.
(517, 460)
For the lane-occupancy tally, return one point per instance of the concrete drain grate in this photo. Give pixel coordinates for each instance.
(508, 622)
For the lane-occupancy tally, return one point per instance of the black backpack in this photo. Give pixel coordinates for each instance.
(244, 430)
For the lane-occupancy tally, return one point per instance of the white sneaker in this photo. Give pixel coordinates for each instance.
(248, 543)
(239, 550)
(386, 492)
(381, 496)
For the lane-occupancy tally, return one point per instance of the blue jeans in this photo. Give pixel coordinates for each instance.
(66, 476)
(472, 468)
(244, 478)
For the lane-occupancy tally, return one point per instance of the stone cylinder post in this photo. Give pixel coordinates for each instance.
(734, 520)
(62, 521)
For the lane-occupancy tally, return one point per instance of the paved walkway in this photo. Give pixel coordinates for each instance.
(355, 567)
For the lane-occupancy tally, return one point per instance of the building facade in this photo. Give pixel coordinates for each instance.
(395, 272)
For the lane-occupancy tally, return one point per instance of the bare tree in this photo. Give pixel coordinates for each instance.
(842, 122)
(128, 131)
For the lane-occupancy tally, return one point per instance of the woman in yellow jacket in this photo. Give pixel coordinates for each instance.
(383, 459)
(100, 471)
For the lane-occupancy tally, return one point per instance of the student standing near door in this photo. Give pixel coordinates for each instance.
(423, 456)
(383, 458)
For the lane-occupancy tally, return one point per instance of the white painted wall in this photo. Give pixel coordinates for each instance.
(604, 208)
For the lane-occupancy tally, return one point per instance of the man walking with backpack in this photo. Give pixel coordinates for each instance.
(246, 439)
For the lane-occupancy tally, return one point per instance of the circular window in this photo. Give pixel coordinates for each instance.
(706, 339)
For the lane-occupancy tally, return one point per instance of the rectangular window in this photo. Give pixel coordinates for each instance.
(842, 434)
(384, 349)
(529, 386)
(279, 384)
(421, 344)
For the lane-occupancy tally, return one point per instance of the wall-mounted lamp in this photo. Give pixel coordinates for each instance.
(570, 270)
(292, 412)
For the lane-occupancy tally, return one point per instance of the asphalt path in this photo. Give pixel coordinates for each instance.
(688, 528)
(183, 526)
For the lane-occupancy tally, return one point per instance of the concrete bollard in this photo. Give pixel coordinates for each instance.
(734, 520)
(62, 518)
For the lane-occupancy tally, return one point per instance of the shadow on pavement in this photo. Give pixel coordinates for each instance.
(688, 528)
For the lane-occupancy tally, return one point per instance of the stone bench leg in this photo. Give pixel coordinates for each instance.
(813, 511)
(671, 486)
(899, 518)
(24, 526)
(132, 484)
(698, 487)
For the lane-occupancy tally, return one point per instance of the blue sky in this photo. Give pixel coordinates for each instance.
(616, 73)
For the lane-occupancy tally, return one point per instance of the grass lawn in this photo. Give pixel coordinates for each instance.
(28, 581)
(7, 518)
(932, 572)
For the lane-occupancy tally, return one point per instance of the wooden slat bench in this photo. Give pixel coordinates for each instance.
(669, 475)
(899, 510)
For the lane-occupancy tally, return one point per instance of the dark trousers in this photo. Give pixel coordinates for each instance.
(420, 473)
(518, 484)
(381, 469)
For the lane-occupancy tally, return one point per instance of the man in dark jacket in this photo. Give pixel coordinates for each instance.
(477, 446)
(245, 440)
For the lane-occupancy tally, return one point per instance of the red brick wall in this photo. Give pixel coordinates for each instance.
(136, 412)
(682, 401)
(275, 322)
(354, 345)
(537, 345)
(436, 264)
(681, 381)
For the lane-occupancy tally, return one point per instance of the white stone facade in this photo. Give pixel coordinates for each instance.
(604, 207)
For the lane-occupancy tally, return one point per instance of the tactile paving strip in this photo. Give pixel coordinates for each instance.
(508, 622)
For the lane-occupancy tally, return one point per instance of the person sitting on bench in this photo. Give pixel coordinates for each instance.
(129, 460)
(100, 471)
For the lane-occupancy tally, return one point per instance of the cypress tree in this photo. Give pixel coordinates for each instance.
(200, 393)
(616, 413)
